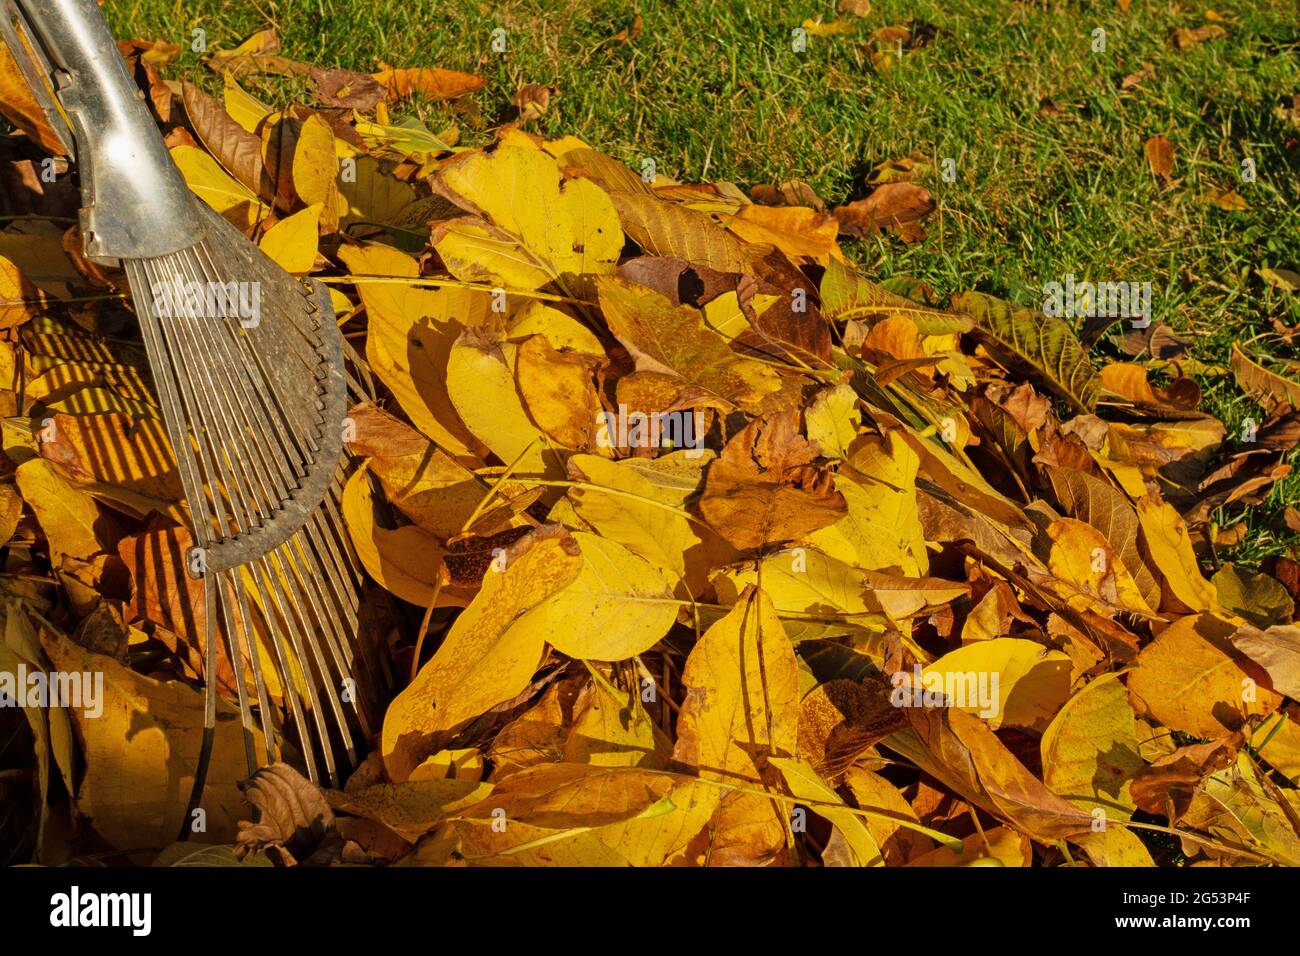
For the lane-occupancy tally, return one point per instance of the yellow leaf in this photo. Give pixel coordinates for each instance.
(832, 420)
(55, 746)
(235, 201)
(835, 27)
(1090, 749)
(998, 846)
(1170, 547)
(902, 597)
(1083, 557)
(244, 109)
(291, 243)
(673, 340)
(482, 387)
(405, 560)
(19, 299)
(725, 316)
(435, 83)
(873, 792)
(1115, 846)
(20, 106)
(436, 492)
(564, 145)
(806, 581)
(799, 580)
(141, 753)
(477, 251)
(60, 378)
(562, 228)
(484, 660)
(576, 814)
(631, 517)
(413, 807)
(375, 196)
(94, 400)
(538, 734)
(119, 459)
(412, 331)
(1097, 502)
(1278, 741)
(1129, 380)
(668, 229)
(476, 843)
(315, 169)
(67, 514)
(742, 706)
(1192, 679)
(409, 138)
(612, 729)
(560, 329)
(557, 390)
(895, 336)
(618, 606)
(1254, 812)
(1228, 199)
(742, 694)
(804, 783)
(1030, 681)
(796, 230)
(965, 754)
(1266, 387)
(461, 764)
(882, 529)
(964, 482)
(11, 512)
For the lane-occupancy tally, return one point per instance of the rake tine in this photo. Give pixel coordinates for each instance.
(255, 663)
(209, 714)
(273, 620)
(298, 629)
(317, 657)
(235, 654)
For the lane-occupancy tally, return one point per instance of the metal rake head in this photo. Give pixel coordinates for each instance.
(248, 367)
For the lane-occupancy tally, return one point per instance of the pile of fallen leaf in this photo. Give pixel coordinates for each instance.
(613, 651)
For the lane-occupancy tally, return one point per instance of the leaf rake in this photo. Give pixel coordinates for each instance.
(248, 368)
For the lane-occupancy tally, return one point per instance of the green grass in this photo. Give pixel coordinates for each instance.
(714, 91)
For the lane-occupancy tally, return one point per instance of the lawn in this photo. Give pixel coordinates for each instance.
(1051, 177)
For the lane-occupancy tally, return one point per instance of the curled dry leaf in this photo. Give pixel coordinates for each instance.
(1268, 388)
(1186, 37)
(434, 83)
(897, 206)
(290, 813)
(347, 89)
(531, 101)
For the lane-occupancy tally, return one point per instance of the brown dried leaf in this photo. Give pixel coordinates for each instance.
(1160, 156)
(347, 89)
(765, 489)
(891, 206)
(1186, 37)
(289, 811)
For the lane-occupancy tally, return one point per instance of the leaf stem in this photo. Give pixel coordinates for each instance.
(352, 279)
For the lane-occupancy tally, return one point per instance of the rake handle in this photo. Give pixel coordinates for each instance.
(135, 204)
